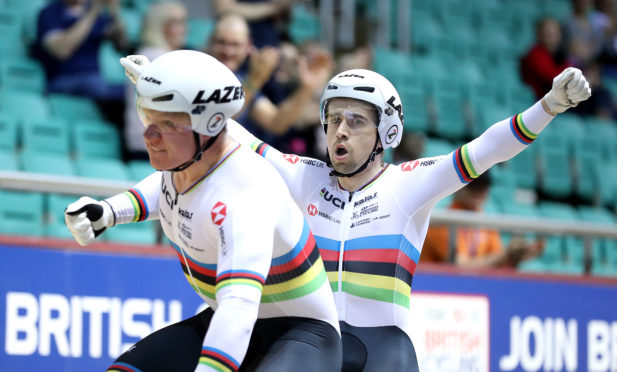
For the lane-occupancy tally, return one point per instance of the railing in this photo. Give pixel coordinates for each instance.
(542, 226)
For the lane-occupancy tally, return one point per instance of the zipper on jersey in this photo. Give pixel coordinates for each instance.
(343, 236)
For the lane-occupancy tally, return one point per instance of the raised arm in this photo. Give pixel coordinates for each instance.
(498, 143)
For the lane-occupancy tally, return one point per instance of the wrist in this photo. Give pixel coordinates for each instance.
(546, 107)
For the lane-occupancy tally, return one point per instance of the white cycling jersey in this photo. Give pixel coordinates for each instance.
(371, 239)
(244, 247)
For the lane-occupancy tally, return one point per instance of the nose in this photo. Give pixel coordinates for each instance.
(151, 132)
(342, 131)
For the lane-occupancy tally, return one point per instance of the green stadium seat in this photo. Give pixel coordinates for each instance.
(8, 161)
(608, 183)
(46, 136)
(73, 108)
(47, 163)
(604, 259)
(24, 105)
(424, 29)
(23, 74)
(139, 169)
(8, 133)
(133, 233)
(55, 206)
(587, 179)
(112, 169)
(21, 213)
(304, 24)
(109, 62)
(450, 117)
(437, 147)
(11, 33)
(96, 139)
(392, 63)
(523, 166)
(555, 174)
(132, 19)
(199, 32)
(487, 115)
(414, 107)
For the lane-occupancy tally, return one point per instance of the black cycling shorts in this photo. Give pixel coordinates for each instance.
(277, 344)
(377, 349)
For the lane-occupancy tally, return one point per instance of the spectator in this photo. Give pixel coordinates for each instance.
(584, 37)
(231, 44)
(265, 17)
(475, 247)
(69, 36)
(163, 30)
(546, 59)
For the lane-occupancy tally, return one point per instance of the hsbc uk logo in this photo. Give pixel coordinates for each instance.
(293, 159)
(218, 213)
(329, 197)
(410, 165)
(312, 210)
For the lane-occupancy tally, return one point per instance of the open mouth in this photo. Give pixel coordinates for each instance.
(340, 151)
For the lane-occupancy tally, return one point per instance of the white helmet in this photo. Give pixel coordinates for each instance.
(371, 87)
(192, 82)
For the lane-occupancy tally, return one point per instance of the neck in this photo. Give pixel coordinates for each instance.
(184, 179)
(355, 182)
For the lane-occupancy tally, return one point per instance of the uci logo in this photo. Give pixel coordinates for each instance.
(329, 197)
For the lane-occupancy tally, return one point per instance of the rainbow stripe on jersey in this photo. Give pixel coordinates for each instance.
(297, 273)
(375, 267)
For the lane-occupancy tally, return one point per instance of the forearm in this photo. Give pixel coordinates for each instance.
(505, 139)
(495, 260)
(250, 11)
(62, 44)
(139, 203)
(228, 336)
(290, 110)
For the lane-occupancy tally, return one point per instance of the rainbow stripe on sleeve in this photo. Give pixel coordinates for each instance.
(520, 131)
(245, 277)
(260, 148)
(139, 204)
(463, 166)
(218, 360)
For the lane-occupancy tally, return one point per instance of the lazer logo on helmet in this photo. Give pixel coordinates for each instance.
(150, 79)
(228, 94)
(396, 106)
(352, 75)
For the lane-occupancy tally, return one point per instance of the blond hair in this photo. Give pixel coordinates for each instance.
(153, 27)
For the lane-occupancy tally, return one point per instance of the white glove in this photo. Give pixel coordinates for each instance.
(133, 66)
(569, 88)
(87, 218)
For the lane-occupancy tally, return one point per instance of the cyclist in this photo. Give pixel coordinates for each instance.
(370, 218)
(243, 245)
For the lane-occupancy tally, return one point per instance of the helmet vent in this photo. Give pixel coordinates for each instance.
(167, 97)
(331, 86)
(365, 89)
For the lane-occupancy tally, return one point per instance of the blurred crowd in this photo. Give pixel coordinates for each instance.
(283, 79)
